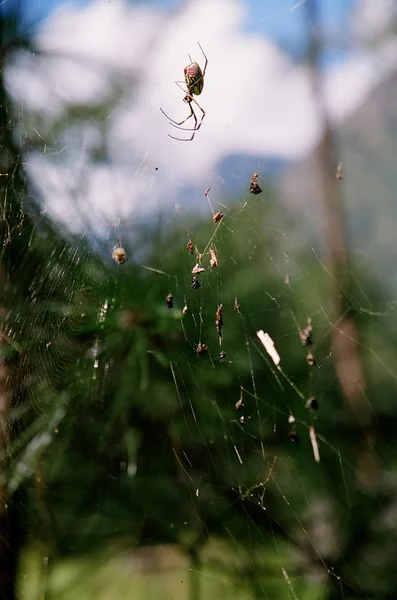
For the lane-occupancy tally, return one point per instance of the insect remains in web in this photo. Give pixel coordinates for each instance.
(217, 217)
(170, 301)
(268, 345)
(197, 269)
(190, 247)
(311, 359)
(339, 171)
(201, 349)
(305, 333)
(313, 441)
(194, 81)
(292, 434)
(119, 254)
(240, 402)
(195, 284)
(214, 259)
(311, 403)
(254, 186)
(219, 321)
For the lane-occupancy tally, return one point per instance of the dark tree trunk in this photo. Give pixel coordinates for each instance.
(10, 186)
(10, 544)
(345, 337)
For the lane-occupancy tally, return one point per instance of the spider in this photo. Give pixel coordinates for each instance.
(194, 80)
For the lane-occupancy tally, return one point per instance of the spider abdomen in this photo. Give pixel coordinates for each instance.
(194, 78)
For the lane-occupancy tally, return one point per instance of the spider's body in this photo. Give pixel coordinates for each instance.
(194, 80)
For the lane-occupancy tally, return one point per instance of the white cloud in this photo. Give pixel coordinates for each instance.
(373, 19)
(256, 101)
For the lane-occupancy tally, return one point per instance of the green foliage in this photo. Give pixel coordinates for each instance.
(131, 436)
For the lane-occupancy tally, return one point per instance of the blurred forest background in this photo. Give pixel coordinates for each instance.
(132, 465)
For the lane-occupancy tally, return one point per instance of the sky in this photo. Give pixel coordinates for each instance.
(279, 20)
(117, 62)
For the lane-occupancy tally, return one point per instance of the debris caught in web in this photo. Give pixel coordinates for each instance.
(305, 333)
(170, 301)
(201, 349)
(254, 186)
(292, 434)
(312, 403)
(240, 401)
(219, 320)
(197, 269)
(119, 254)
(339, 174)
(311, 359)
(268, 345)
(190, 247)
(236, 306)
(214, 259)
(195, 283)
(217, 217)
(313, 440)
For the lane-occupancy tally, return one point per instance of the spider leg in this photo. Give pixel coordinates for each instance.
(203, 113)
(178, 83)
(172, 121)
(175, 123)
(197, 124)
(184, 139)
(206, 59)
(192, 114)
(193, 130)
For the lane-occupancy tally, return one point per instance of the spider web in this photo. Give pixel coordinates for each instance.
(287, 482)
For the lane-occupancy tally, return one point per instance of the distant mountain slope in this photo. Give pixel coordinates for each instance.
(367, 145)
